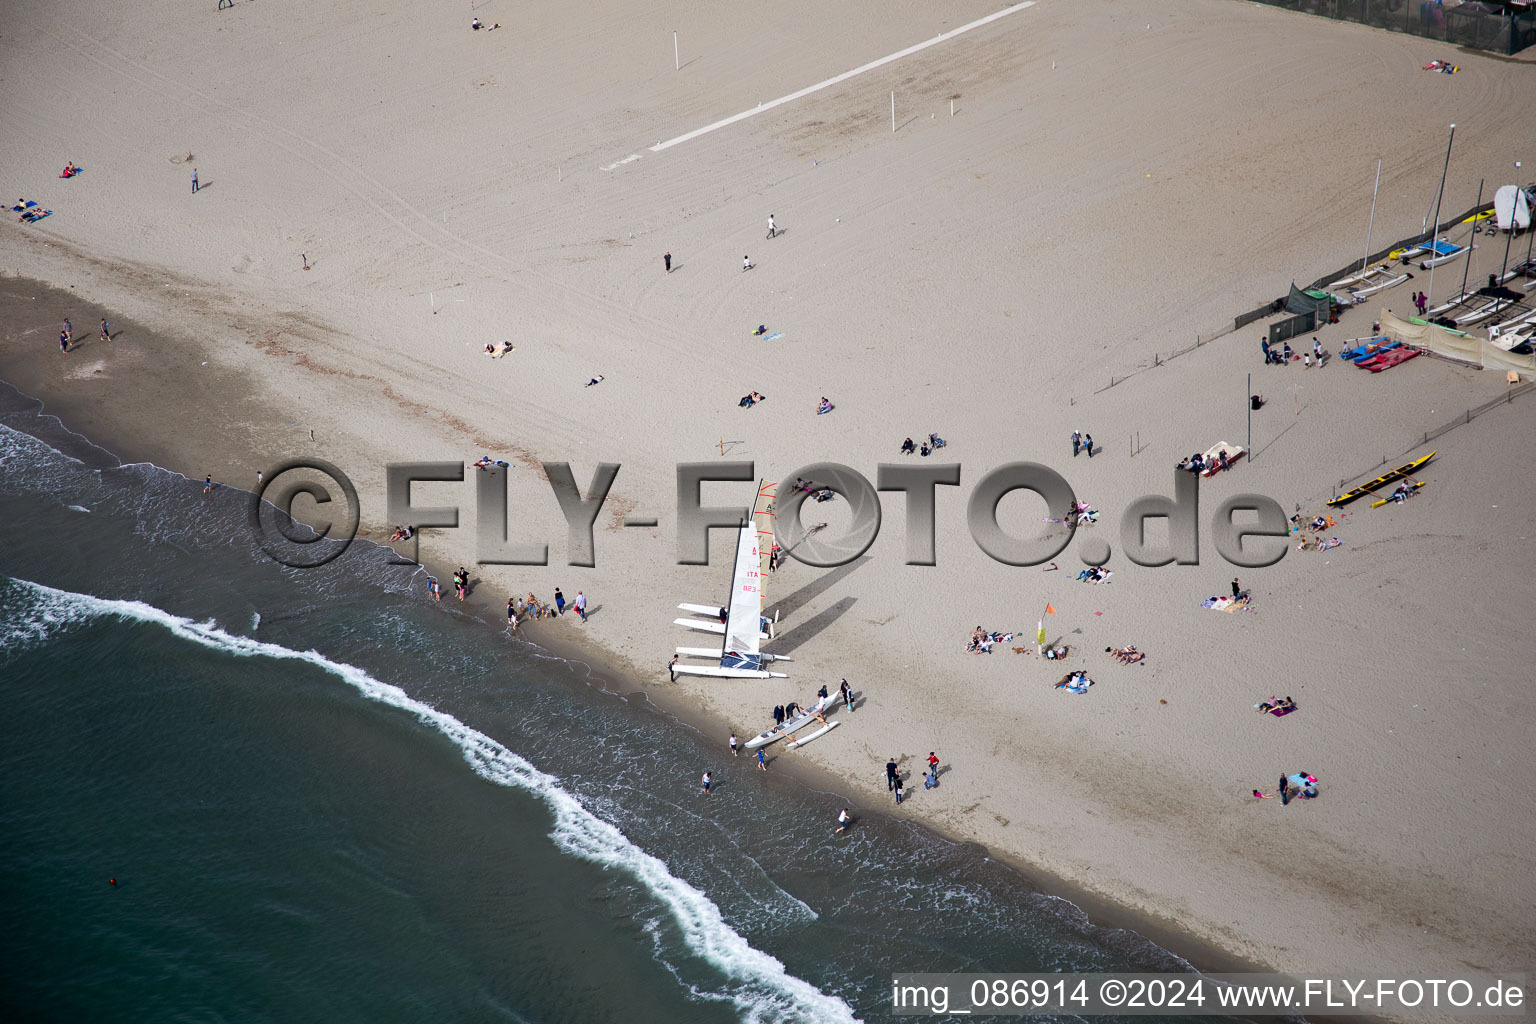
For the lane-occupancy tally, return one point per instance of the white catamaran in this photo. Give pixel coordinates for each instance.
(744, 627)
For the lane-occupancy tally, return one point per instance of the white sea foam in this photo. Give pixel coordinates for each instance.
(760, 988)
(78, 508)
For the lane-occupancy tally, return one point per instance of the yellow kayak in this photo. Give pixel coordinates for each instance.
(1385, 478)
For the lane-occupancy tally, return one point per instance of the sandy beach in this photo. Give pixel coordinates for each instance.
(1116, 180)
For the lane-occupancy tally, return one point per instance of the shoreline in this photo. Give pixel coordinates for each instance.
(979, 273)
(608, 675)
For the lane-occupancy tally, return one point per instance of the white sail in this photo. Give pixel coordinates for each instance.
(765, 517)
(744, 615)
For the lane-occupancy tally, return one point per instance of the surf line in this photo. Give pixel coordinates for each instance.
(761, 107)
(760, 976)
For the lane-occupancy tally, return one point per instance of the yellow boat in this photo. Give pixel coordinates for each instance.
(1416, 485)
(1385, 478)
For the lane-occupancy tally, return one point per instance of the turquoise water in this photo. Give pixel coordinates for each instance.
(323, 798)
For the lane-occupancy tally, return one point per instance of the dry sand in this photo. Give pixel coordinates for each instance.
(1118, 177)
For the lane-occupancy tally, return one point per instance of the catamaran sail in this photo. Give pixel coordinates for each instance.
(765, 516)
(744, 615)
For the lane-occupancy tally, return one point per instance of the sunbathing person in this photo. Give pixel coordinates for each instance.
(823, 406)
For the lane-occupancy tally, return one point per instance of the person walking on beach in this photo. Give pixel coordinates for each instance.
(672, 668)
(933, 762)
(746, 264)
(435, 589)
(194, 179)
(1088, 444)
(897, 787)
(106, 330)
(69, 330)
(559, 602)
(1237, 588)
(735, 750)
(581, 605)
(891, 778)
(772, 230)
(666, 259)
(1077, 442)
(847, 692)
(63, 341)
(208, 485)
(708, 781)
(844, 819)
(512, 613)
(762, 762)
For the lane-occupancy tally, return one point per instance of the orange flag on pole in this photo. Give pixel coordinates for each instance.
(1050, 610)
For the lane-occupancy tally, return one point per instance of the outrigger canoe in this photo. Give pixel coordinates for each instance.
(1385, 478)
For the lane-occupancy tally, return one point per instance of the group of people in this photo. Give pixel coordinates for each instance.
(1283, 356)
(1280, 705)
(1127, 655)
(402, 533)
(928, 447)
(1075, 682)
(30, 211)
(1298, 785)
(1094, 574)
(461, 583)
(1082, 442)
(750, 399)
(1197, 463)
(1421, 303)
(824, 406)
(982, 640)
(70, 170)
(894, 783)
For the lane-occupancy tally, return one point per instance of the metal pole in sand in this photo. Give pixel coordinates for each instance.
(893, 113)
(1468, 268)
(1248, 401)
(677, 61)
(1436, 225)
(1370, 227)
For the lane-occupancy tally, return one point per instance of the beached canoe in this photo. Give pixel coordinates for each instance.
(1385, 478)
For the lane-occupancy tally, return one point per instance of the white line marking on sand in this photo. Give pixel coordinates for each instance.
(839, 78)
(620, 163)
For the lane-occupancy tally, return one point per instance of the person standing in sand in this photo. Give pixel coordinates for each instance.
(708, 781)
(672, 668)
(1088, 444)
(1237, 588)
(746, 264)
(69, 330)
(772, 229)
(844, 819)
(559, 602)
(891, 777)
(1077, 442)
(194, 179)
(581, 605)
(106, 330)
(735, 749)
(666, 259)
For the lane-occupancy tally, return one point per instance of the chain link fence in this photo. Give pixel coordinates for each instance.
(1480, 26)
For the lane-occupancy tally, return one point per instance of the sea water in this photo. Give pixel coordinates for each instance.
(323, 798)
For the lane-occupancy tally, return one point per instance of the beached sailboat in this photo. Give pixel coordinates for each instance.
(740, 655)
